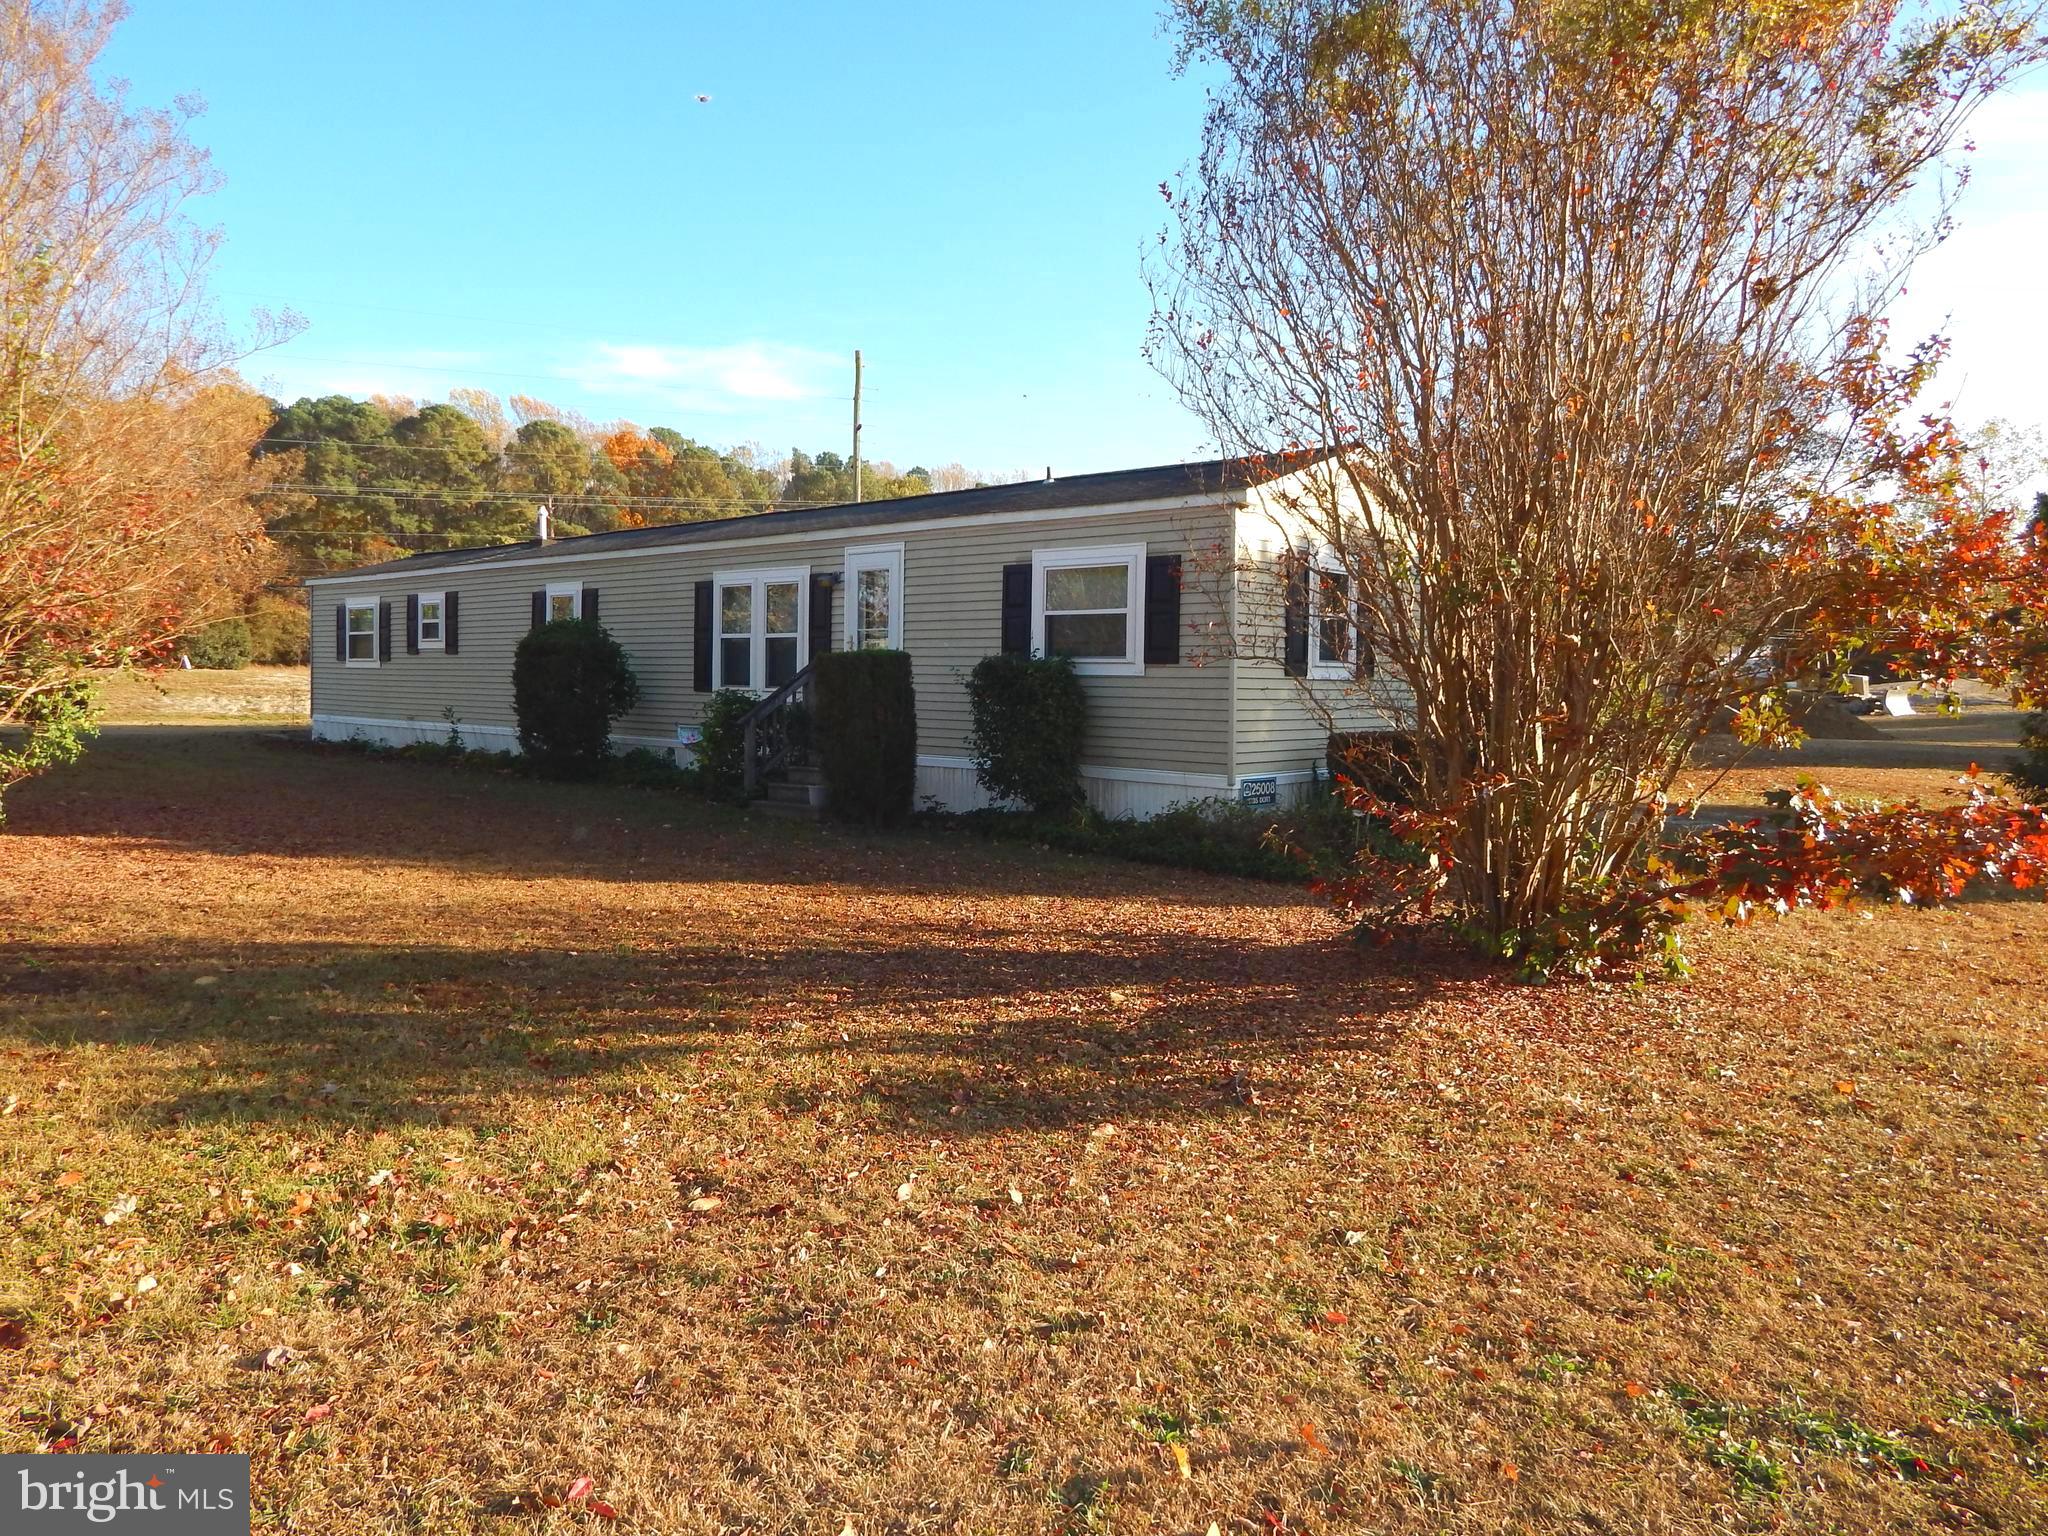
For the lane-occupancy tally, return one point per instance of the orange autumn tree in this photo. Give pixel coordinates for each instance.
(645, 467)
(1590, 298)
(124, 440)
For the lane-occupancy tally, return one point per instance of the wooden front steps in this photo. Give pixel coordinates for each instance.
(794, 792)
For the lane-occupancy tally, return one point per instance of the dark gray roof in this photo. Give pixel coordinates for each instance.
(1159, 483)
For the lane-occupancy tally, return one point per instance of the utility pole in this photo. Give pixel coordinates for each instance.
(856, 424)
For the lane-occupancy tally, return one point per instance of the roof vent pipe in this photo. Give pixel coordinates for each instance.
(540, 523)
(1048, 474)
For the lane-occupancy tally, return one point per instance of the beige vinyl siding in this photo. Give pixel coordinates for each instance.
(644, 602)
(1279, 729)
(1283, 722)
(1175, 718)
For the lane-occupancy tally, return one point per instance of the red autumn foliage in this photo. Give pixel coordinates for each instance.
(1812, 851)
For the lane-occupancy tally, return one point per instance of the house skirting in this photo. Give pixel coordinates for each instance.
(1141, 793)
(947, 782)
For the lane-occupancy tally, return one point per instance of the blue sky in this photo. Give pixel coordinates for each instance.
(530, 198)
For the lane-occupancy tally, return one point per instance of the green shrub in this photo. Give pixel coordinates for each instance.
(221, 647)
(277, 632)
(721, 746)
(2029, 772)
(47, 729)
(648, 769)
(866, 732)
(1029, 714)
(570, 681)
(1215, 836)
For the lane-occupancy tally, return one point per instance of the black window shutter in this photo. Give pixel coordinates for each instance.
(1294, 641)
(701, 683)
(412, 623)
(540, 607)
(590, 604)
(821, 616)
(1017, 609)
(448, 623)
(383, 631)
(1162, 610)
(341, 630)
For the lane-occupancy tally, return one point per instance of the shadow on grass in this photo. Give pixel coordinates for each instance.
(239, 790)
(961, 1040)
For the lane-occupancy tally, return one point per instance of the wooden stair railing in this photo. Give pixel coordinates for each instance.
(777, 732)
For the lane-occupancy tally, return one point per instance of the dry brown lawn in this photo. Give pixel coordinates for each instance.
(441, 1138)
(174, 696)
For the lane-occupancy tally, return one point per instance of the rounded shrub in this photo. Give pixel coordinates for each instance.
(722, 743)
(1028, 717)
(221, 647)
(570, 681)
(866, 734)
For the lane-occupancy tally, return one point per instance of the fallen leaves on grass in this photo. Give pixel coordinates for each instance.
(796, 1021)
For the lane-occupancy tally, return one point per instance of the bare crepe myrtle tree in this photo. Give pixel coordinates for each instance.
(1589, 297)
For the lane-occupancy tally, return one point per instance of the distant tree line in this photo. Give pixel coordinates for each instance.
(363, 480)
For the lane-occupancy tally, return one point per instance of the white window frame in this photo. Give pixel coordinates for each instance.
(440, 640)
(1321, 563)
(573, 590)
(354, 605)
(1132, 558)
(874, 557)
(758, 578)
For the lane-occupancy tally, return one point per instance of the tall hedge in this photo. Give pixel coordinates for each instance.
(570, 681)
(1029, 714)
(866, 734)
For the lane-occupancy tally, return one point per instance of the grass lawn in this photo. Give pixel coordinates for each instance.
(175, 696)
(440, 1139)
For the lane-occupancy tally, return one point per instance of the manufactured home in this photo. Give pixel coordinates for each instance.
(1150, 579)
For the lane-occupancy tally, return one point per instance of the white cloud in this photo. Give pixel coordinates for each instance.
(723, 378)
(417, 373)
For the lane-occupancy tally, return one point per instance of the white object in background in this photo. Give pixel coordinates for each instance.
(1898, 702)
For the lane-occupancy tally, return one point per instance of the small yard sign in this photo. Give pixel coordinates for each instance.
(1261, 791)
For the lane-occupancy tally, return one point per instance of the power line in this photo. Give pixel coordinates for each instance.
(568, 498)
(383, 445)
